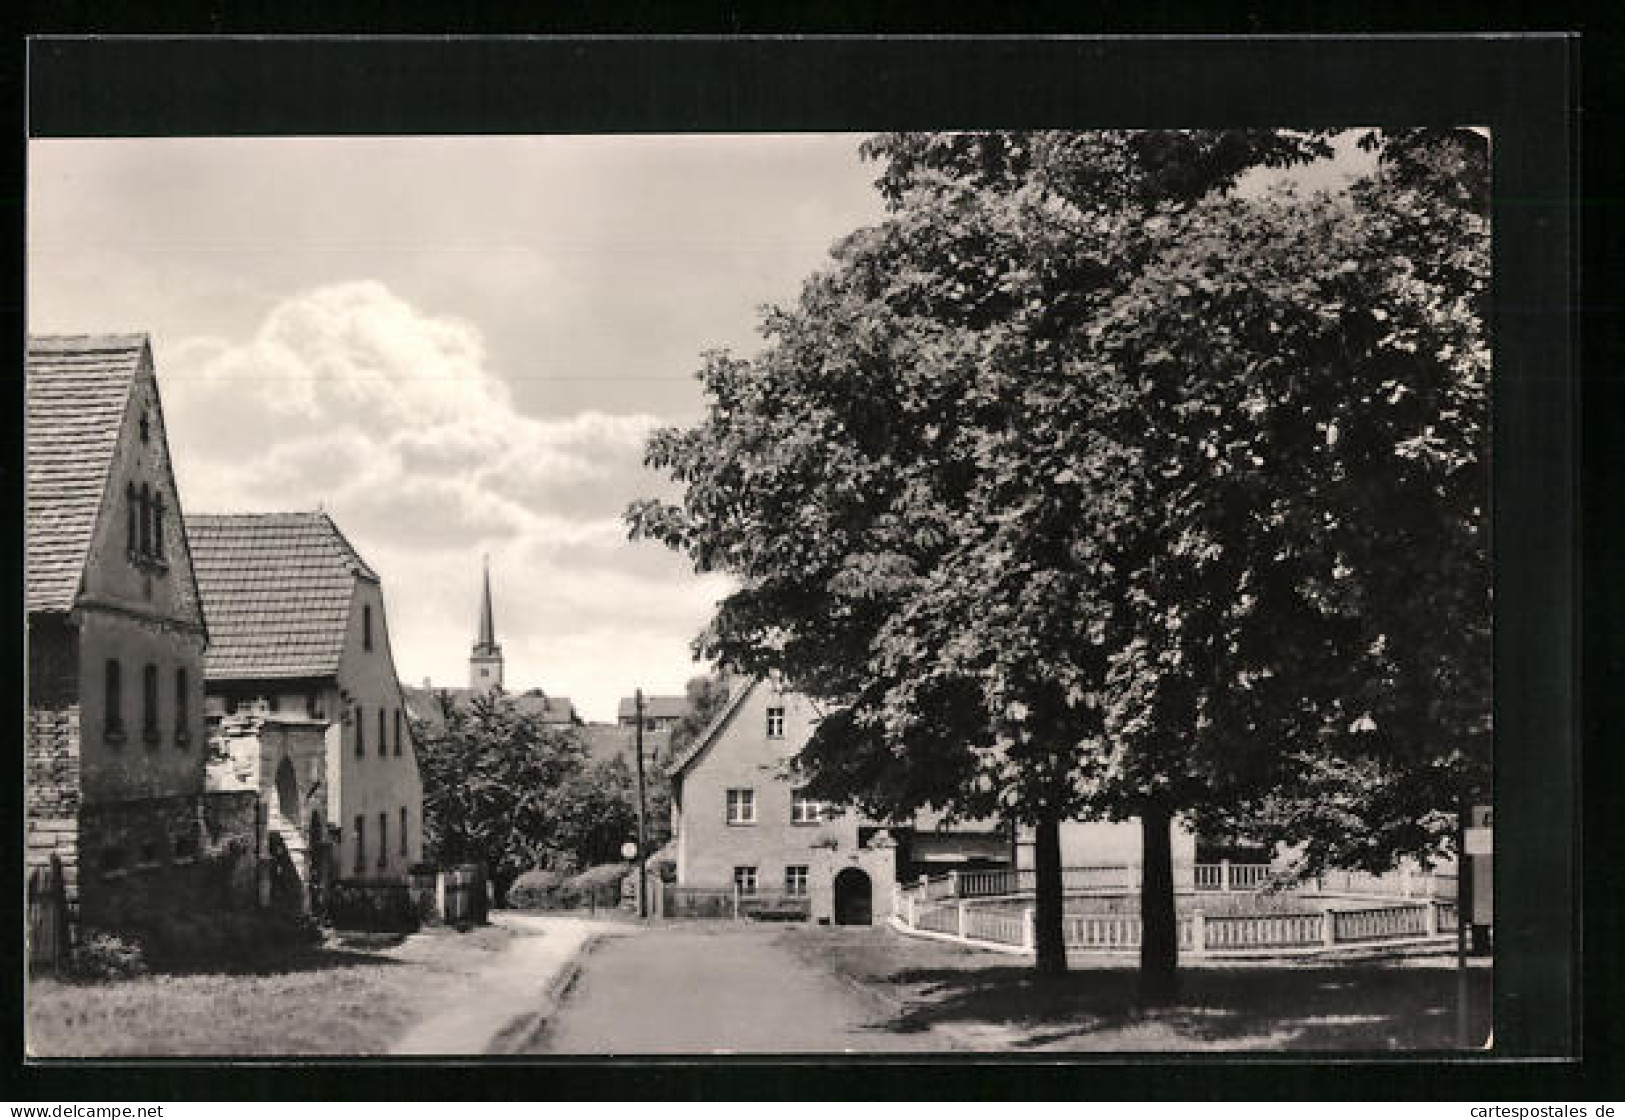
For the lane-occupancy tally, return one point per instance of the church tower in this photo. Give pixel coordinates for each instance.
(485, 663)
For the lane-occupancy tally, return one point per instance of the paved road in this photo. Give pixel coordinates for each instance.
(516, 984)
(706, 990)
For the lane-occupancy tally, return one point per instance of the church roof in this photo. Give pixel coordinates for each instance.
(78, 388)
(276, 592)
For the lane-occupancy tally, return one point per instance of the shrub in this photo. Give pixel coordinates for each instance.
(377, 908)
(225, 938)
(102, 956)
(538, 889)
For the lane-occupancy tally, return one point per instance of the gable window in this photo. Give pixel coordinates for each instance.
(403, 832)
(775, 723)
(360, 733)
(183, 734)
(158, 524)
(741, 806)
(113, 699)
(795, 879)
(146, 426)
(132, 519)
(383, 839)
(745, 880)
(149, 703)
(383, 742)
(805, 810)
(360, 844)
(366, 627)
(398, 736)
(144, 545)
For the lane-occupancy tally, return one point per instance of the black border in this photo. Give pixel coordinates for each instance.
(1523, 89)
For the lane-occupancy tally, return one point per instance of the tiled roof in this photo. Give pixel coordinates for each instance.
(276, 592)
(654, 707)
(606, 741)
(78, 390)
(422, 703)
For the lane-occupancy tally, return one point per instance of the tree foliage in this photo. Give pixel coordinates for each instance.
(503, 787)
(1086, 484)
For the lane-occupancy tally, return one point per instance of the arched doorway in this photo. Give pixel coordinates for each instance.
(287, 793)
(854, 898)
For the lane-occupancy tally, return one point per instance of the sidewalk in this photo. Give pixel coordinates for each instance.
(519, 983)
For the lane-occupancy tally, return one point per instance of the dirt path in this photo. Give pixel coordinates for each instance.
(516, 985)
(716, 989)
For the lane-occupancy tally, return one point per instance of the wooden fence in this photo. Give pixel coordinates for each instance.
(720, 902)
(49, 941)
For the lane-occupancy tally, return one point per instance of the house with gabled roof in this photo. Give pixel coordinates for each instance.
(304, 701)
(114, 758)
(742, 821)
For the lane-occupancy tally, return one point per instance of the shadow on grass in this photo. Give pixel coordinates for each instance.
(316, 959)
(1332, 1008)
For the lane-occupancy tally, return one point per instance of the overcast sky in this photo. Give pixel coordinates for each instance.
(454, 345)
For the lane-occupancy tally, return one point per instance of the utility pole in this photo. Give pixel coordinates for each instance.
(643, 876)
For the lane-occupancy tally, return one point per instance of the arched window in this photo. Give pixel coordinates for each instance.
(114, 699)
(149, 703)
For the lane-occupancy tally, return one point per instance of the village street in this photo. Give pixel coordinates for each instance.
(710, 989)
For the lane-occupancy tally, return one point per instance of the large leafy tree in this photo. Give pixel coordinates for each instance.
(1077, 485)
(499, 787)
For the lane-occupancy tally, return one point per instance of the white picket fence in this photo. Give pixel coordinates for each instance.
(993, 908)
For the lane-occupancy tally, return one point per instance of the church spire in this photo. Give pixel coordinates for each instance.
(485, 662)
(488, 636)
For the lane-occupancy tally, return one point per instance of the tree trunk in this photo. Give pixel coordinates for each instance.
(1159, 925)
(1049, 901)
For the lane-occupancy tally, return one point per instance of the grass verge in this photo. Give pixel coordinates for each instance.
(353, 999)
(995, 1002)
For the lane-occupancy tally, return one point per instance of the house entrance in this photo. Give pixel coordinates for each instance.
(287, 793)
(854, 898)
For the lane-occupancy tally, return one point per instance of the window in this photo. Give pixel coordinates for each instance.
(360, 733)
(114, 701)
(158, 524)
(149, 703)
(403, 832)
(745, 880)
(132, 514)
(805, 810)
(360, 844)
(383, 839)
(366, 627)
(775, 723)
(183, 734)
(146, 426)
(795, 879)
(383, 742)
(741, 806)
(398, 736)
(144, 546)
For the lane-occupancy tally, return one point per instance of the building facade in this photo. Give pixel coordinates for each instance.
(115, 752)
(741, 820)
(302, 656)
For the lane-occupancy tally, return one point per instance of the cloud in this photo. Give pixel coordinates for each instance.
(392, 419)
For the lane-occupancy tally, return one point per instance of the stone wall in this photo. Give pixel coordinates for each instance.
(171, 854)
(51, 781)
